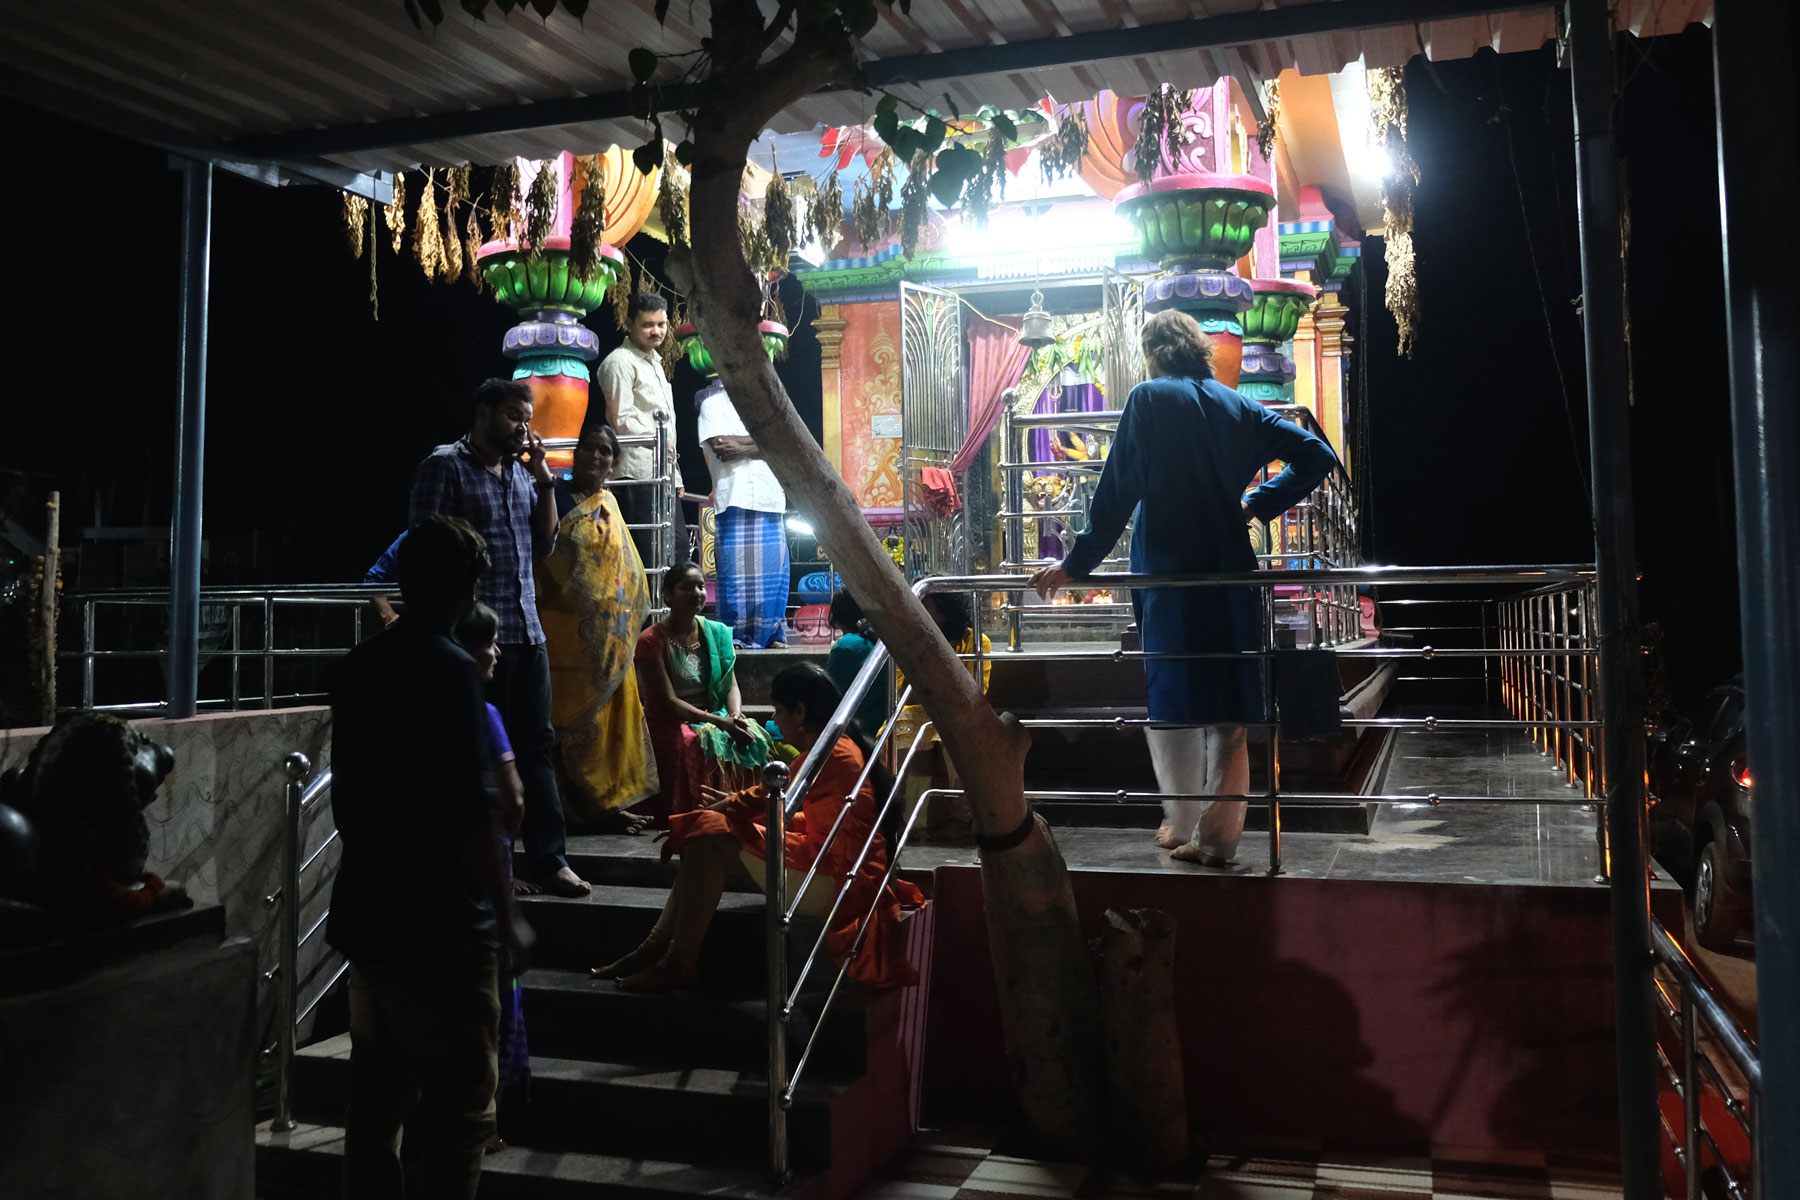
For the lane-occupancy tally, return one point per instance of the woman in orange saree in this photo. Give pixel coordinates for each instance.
(726, 840)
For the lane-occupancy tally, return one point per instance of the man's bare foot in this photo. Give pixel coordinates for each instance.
(524, 887)
(664, 976)
(646, 955)
(1188, 852)
(566, 883)
(1167, 838)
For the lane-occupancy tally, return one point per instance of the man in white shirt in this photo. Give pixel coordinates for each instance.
(636, 389)
(749, 510)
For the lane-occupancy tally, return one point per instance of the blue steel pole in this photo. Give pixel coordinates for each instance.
(1755, 61)
(182, 664)
(1615, 580)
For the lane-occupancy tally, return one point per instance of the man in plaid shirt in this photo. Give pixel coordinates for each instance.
(496, 479)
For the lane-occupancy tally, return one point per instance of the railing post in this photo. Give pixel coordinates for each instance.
(1274, 757)
(87, 654)
(268, 652)
(1690, 1092)
(775, 778)
(1594, 82)
(287, 982)
(182, 662)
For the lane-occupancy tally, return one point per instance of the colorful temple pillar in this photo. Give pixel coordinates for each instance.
(1273, 319)
(1313, 252)
(1200, 218)
(550, 345)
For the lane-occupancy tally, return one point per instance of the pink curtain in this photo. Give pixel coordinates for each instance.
(996, 361)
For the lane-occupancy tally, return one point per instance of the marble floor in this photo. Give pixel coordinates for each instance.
(964, 1164)
(1524, 836)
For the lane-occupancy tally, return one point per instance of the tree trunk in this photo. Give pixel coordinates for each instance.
(1144, 1075)
(1049, 1007)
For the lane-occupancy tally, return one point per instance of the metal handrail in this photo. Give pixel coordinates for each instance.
(785, 793)
(1697, 1004)
(300, 794)
(350, 597)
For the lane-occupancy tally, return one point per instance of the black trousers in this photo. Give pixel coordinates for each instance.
(521, 691)
(636, 507)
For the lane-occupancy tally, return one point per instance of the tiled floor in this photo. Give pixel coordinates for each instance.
(963, 1164)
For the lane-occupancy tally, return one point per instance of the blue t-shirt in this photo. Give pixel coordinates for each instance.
(387, 567)
(503, 751)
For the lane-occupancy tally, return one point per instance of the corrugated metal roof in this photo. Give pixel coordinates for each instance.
(228, 69)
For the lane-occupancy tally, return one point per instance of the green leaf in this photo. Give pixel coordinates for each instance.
(476, 8)
(434, 11)
(412, 12)
(860, 15)
(947, 188)
(959, 162)
(647, 158)
(684, 152)
(935, 129)
(905, 143)
(662, 11)
(640, 102)
(888, 105)
(886, 125)
(575, 8)
(643, 64)
(951, 105)
(1004, 127)
(544, 8)
(506, 6)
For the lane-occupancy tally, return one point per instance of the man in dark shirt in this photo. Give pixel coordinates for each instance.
(496, 478)
(420, 905)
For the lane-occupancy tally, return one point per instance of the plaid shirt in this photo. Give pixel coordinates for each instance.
(454, 482)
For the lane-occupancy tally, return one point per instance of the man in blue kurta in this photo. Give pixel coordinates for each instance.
(1186, 448)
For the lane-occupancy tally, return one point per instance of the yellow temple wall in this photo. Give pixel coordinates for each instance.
(860, 374)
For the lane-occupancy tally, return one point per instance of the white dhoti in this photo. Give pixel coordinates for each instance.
(1209, 761)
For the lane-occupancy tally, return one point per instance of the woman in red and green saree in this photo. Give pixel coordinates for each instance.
(686, 675)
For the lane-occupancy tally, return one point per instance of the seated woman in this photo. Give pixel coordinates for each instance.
(592, 599)
(697, 726)
(846, 656)
(726, 841)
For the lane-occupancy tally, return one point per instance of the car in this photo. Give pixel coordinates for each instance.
(1701, 812)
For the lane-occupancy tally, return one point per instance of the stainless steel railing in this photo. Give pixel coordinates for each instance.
(301, 795)
(1689, 1005)
(783, 793)
(1319, 532)
(340, 611)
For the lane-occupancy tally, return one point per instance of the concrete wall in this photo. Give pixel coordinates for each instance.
(216, 827)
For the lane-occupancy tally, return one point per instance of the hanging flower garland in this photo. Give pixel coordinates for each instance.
(1387, 136)
(356, 221)
(396, 213)
(428, 238)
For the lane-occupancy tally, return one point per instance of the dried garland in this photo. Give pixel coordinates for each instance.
(1387, 136)
(503, 200)
(915, 193)
(453, 246)
(672, 204)
(472, 249)
(759, 252)
(428, 238)
(457, 179)
(778, 219)
(396, 213)
(1161, 135)
(670, 350)
(978, 193)
(541, 209)
(870, 209)
(590, 221)
(1060, 154)
(374, 290)
(1266, 128)
(825, 210)
(356, 221)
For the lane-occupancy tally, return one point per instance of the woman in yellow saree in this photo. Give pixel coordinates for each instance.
(592, 600)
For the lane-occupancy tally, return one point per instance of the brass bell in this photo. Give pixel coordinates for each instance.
(1034, 331)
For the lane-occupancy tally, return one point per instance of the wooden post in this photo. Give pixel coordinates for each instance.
(46, 614)
(1145, 1081)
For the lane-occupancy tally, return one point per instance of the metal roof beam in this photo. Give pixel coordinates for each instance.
(1231, 29)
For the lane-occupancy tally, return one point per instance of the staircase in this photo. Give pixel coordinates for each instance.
(635, 1095)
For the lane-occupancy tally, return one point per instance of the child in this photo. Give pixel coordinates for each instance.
(846, 657)
(478, 632)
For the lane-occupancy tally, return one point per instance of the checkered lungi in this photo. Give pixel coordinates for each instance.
(753, 576)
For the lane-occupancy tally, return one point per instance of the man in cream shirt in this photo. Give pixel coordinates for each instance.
(750, 512)
(636, 389)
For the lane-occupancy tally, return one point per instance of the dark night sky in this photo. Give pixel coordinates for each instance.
(317, 414)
